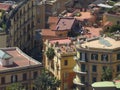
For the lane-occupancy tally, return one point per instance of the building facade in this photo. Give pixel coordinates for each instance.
(62, 64)
(40, 14)
(17, 67)
(18, 24)
(94, 56)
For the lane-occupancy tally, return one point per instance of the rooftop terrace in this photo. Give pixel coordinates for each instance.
(19, 59)
(63, 46)
(101, 43)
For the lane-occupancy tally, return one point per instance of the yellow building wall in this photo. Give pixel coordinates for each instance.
(68, 69)
(19, 74)
(112, 62)
(3, 38)
(111, 18)
(62, 33)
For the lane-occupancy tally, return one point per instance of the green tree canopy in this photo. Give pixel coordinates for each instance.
(107, 74)
(50, 53)
(15, 86)
(46, 81)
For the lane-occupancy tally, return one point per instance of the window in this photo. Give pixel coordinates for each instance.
(94, 79)
(94, 68)
(35, 74)
(25, 76)
(83, 67)
(104, 57)
(118, 68)
(118, 56)
(94, 56)
(66, 62)
(83, 56)
(14, 78)
(82, 79)
(2, 80)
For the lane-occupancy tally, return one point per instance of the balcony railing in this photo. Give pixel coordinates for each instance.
(77, 70)
(76, 81)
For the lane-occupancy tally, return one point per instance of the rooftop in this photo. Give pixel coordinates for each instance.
(63, 46)
(48, 32)
(92, 32)
(4, 6)
(84, 15)
(106, 84)
(60, 41)
(103, 84)
(19, 58)
(101, 43)
(65, 23)
(53, 20)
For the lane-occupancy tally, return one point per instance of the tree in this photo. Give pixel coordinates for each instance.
(107, 74)
(15, 86)
(46, 81)
(50, 53)
(117, 78)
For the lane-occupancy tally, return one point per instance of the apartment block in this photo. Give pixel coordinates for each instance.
(18, 20)
(62, 64)
(17, 67)
(93, 56)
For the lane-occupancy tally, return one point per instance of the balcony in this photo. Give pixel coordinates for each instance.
(77, 82)
(80, 71)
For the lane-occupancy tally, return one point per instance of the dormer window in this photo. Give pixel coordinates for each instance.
(5, 58)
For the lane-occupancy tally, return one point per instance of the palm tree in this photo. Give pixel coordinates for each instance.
(107, 74)
(15, 86)
(46, 81)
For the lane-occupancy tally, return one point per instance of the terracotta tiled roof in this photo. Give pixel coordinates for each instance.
(48, 32)
(53, 20)
(84, 15)
(19, 58)
(65, 23)
(93, 32)
(60, 41)
(4, 6)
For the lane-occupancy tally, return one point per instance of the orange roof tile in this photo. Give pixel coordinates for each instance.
(93, 32)
(4, 6)
(65, 23)
(60, 40)
(84, 15)
(53, 20)
(48, 32)
(19, 58)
